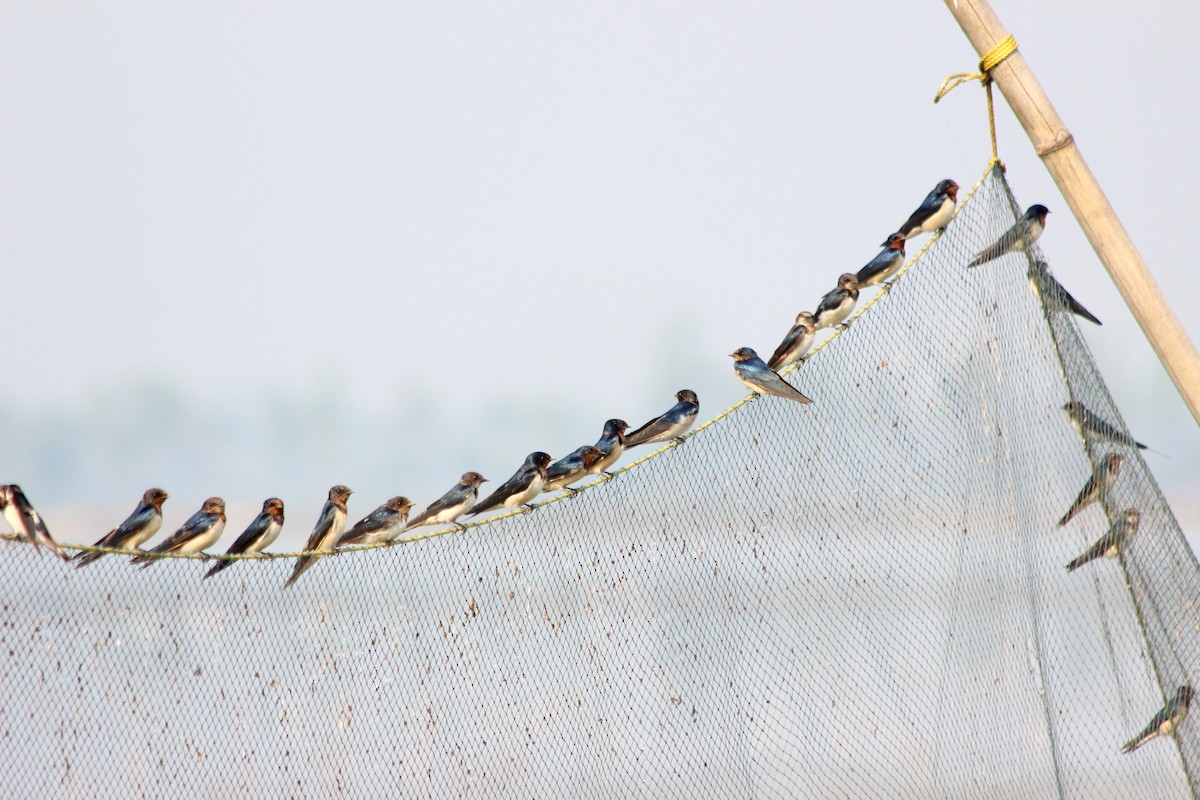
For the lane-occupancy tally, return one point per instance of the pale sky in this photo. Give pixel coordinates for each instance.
(383, 243)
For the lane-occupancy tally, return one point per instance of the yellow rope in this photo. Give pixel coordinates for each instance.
(557, 498)
(1005, 48)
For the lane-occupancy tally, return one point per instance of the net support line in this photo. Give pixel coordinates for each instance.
(1060, 153)
(865, 597)
(1146, 623)
(671, 445)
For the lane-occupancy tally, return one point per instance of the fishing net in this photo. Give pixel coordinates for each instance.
(865, 597)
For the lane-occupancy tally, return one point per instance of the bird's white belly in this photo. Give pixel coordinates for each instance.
(335, 531)
(754, 387)
(836, 315)
(607, 461)
(670, 433)
(450, 513)
(266, 540)
(204, 541)
(13, 517)
(563, 481)
(939, 219)
(534, 489)
(147, 533)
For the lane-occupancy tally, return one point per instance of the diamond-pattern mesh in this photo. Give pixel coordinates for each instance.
(865, 597)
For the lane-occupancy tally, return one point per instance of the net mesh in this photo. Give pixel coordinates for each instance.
(862, 597)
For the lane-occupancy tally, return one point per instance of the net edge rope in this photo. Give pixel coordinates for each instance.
(463, 528)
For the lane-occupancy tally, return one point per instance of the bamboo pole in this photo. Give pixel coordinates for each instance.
(1056, 147)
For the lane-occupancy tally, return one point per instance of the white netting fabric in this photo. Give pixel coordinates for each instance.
(864, 597)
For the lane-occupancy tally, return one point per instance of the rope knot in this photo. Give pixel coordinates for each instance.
(992, 59)
(1005, 48)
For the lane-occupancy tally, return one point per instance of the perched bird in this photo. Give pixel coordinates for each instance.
(751, 371)
(934, 213)
(1096, 487)
(261, 534)
(885, 265)
(199, 533)
(1024, 232)
(12, 514)
(25, 520)
(1086, 422)
(135, 531)
(1112, 542)
(611, 445)
(675, 422)
(452, 505)
(1165, 721)
(836, 306)
(793, 347)
(325, 532)
(382, 525)
(1050, 290)
(525, 484)
(562, 473)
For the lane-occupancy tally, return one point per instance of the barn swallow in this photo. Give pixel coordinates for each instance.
(1084, 421)
(199, 533)
(793, 347)
(1050, 290)
(525, 484)
(381, 525)
(452, 505)
(611, 445)
(1112, 542)
(261, 534)
(1165, 721)
(25, 520)
(885, 265)
(566, 471)
(1097, 486)
(136, 530)
(675, 422)
(12, 514)
(761, 379)
(836, 306)
(934, 213)
(325, 532)
(1024, 232)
